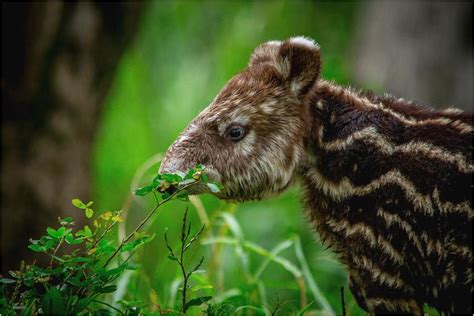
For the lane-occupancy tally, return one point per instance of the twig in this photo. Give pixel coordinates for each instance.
(181, 264)
(55, 252)
(146, 219)
(106, 230)
(186, 242)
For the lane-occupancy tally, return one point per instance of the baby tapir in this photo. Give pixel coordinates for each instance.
(387, 182)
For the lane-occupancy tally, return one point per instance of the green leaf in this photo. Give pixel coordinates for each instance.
(137, 243)
(171, 177)
(190, 174)
(157, 180)
(272, 255)
(181, 174)
(183, 196)
(172, 258)
(197, 301)
(89, 212)
(101, 311)
(76, 281)
(128, 247)
(49, 244)
(53, 302)
(105, 247)
(115, 271)
(87, 232)
(286, 264)
(148, 238)
(81, 259)
(58, 259)
(52, 232)
(83, 303)
(213, 187)
(133, 266)
(143, 191)
(187, 181)
(60, 232)
(79, 204)
(107, 289)
(200, 167)
(36, 248)
(89, 204)
(305, 309)
(233, 224)
(66, 221)
(312, 285)
(201, 287)
(260, 311)
(71, 240)
(7, 281)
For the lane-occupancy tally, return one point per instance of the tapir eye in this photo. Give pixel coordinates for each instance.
(236, 133)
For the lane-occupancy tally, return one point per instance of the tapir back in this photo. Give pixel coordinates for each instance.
(390, 190)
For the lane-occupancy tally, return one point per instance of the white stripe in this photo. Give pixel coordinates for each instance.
(382, 276)
(449, 207)
(372, 136)
(396, 219)
(344, 188)
(394, 305)
(462, 127)
(343, 226)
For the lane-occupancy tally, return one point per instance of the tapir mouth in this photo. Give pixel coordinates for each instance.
(197, 189)
(171, 166)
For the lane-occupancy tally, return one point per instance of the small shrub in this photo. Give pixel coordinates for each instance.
(85, 262)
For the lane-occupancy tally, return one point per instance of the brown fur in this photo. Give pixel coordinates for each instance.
(387, 182)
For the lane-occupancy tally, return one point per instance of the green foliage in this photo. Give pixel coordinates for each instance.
(186, 242)
(300, 271)
(75, 277)
(79, 273)
(167, 184)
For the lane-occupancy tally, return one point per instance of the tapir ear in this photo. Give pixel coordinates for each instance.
(297, 60)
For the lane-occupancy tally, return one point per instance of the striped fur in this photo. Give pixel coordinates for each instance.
(387, 182)
(393, 195)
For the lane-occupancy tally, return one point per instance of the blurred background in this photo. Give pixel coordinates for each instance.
(93, 93)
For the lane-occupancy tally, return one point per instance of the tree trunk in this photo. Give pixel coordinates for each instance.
(417, 50)
(58, 61)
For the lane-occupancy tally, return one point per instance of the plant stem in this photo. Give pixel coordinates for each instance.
(105, 232)
(55, 251)
(146, 219)
(185, 278)
(343, 303)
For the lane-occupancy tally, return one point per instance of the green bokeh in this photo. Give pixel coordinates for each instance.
(183, 55)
